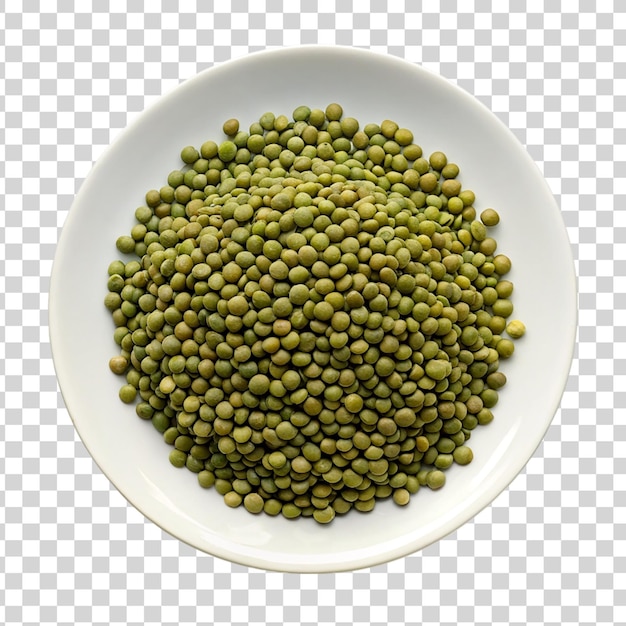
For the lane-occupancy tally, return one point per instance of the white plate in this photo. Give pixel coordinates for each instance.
(371, 87)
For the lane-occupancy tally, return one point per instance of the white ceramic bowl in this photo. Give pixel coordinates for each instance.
(370, 87)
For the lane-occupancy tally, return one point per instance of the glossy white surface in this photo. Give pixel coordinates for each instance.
(371, 88)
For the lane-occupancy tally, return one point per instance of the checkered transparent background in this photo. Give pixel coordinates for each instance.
(551, 549)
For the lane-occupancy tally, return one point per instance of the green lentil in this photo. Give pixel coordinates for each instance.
(253, 503)
(516, 329)
(314, 316)
(128, 393)
(505, 348)
(490, 217)
(463, 455)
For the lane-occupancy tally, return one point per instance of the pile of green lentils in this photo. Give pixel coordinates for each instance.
(314, 315)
